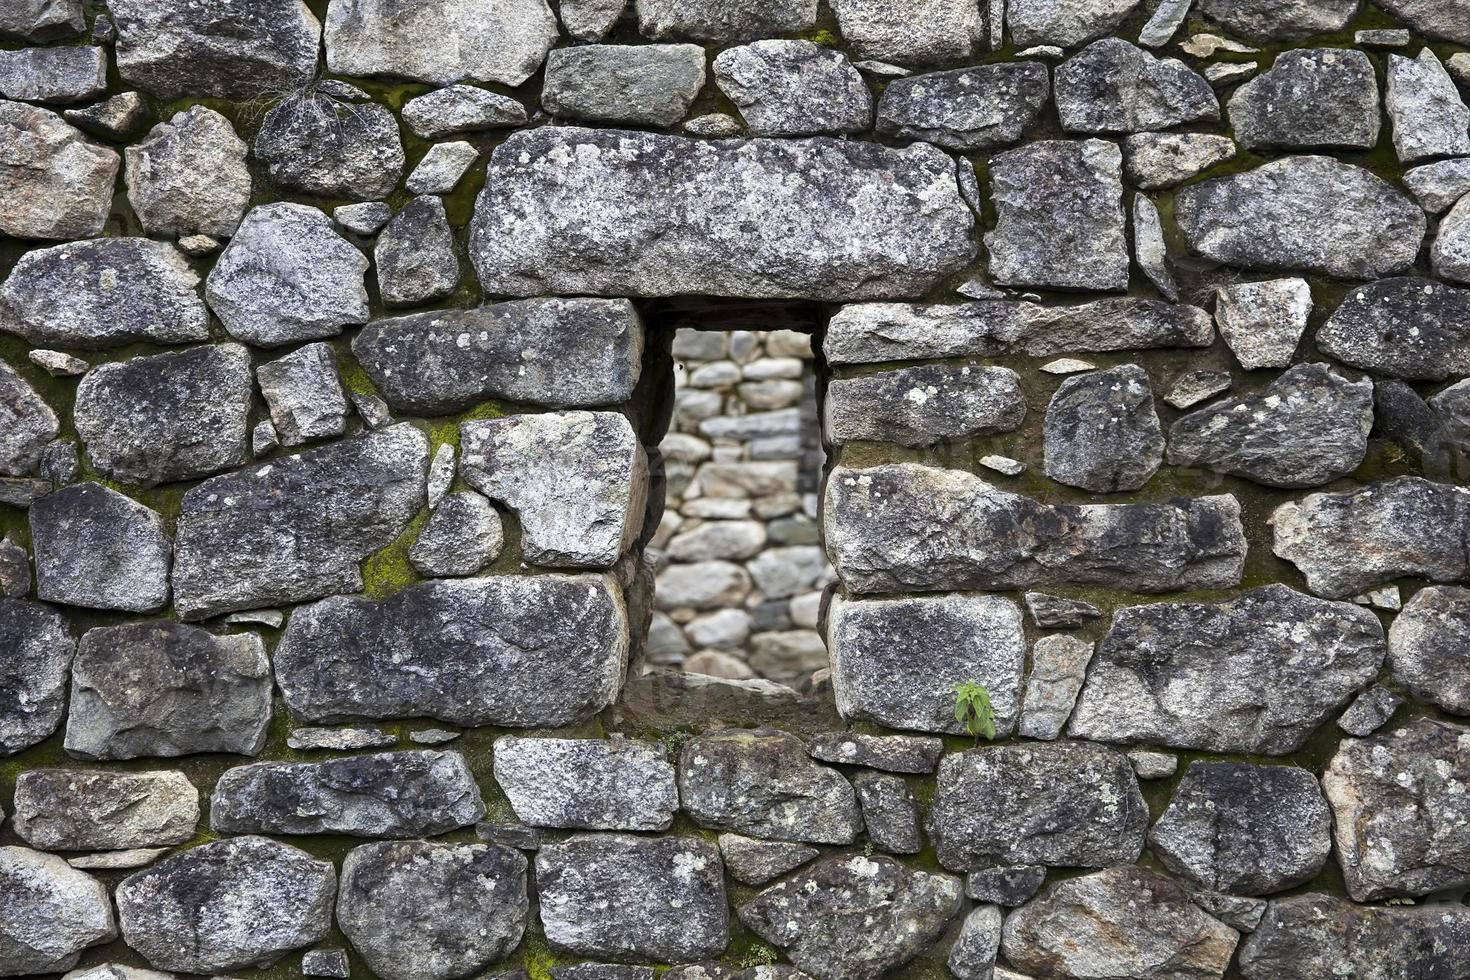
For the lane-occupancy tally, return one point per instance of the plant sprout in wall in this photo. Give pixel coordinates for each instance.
(972, 709)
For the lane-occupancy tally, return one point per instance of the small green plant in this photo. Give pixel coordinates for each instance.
(972, 709)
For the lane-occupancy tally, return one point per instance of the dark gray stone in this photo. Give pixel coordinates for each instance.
(1370, 711)
(755, 862)
(42, 20)
(566, 353)
(53, 183)
(761, 783)
(659, 899)
(1319, 97)
(890, 813)
(325, 963)
(972, 957)
(591, 20)
(1102, 433)
(98, 549)
(889, 753)
(28, 426)
(415, 255)
(227, 905)
(297, 528)
(315, 144)
(1112, 86)
(83, 810)
(1256, 675)
(639, 85)
(1412, 328)
(426, 910)
(580, 211)
(513, 651)
(305, 396)
(49, 913)
(167, 417)
(794, 88)
(165, 689)
(1009, 886)
(925, 405)
(463, 536)
(1265, 21)
(15, 570)
(189, 176)
(980, 108)
(587, 784)
(117, 118)
(461, 109)
(1429, 648)
(36, 651)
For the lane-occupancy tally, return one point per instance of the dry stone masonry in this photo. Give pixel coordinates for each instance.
(511, 488)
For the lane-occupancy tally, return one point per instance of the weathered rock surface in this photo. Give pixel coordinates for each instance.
(95, 809)
(178, 48)
(922, 406)
(461, 109)
(36, 651)
(15, 570)
(1263, 322)
(794, 88)
(54, 183)
(1280, 20)
(288, 276)
(1429, 117)
(415, 255)
(167, 417)
(1058, 667)
(1450, 21)
(1059, 184)
(980, 108)
(1115, 324)
(1112, 86)
(1121, 922)
(1437, 186)
(591, 20)
(227, 905)
(1349, 542)
(890, 753)
(850, 917)
(463, 535)
(897, 661)
(925, 33)
(1007, 885)
(903, 527)
(1401, 815)
(1304, 212)
(1450, 253)
(58, 75)
(1429, 647)
(1059, 612)
(890, 813)
(620, 897)
(1063, 804)
(98, 549)
(189, 176)
(1406, 327)
(297, 528)
(1257, 674)
(1157, 161)
(1102, 433)
(762, 784)
(755, 862)
(973, 955)
(304, 393)
(561, 352)
(1251, 830)
(827, 235)
(1313, 98)
(29, 424)
(1064, 25)
(49, 913)
(639, 85)
(576, 479)
(315, 144)
(42, 20)
(103, 293)
(722, 21)
(425, 910)
(515, 651)
(441, 41)
(1370, 711)
(587, 784)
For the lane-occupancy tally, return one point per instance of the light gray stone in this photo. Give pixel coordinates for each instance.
(366, 218)
(702, 585)
(441, 169)
(1058, 667)
(1370, 711)
(1065, 25)
(62, 75)
(98, 549)
(1263, 322)
(1265, 21)
(305, 396)
(1429, 648)
(890, 813)
(1429, 117)
(714, 540)
(340, 739)
(54, 183)
(36, 649)
(1153, 765)
(972, 957)
(415, 255)
(94, 809)
(463, 535)
(1059, 612)
(462, 109)
(316, 144)
(1158, 161)
(889, 753)
(189, 176)
(1409, 328)
(1450, 253)
(49, 913)
(981, 108)
(1437, 186)
(1165, 21)
(591, 20)
(723, 21)
(1102, 433)
(29, 424)
(643, 85)
(866, 333)
(1114, 324)
(1309, 99)
(587, 784)
(1149, 247)
(756, 862)
(923, 406)
(794, 88)
(906, 32)
(42, 20)
(503, 41)
(1112, 86)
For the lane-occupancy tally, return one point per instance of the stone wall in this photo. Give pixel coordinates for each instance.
(340, 414)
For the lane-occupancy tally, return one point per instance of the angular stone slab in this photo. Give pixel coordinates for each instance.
(515, 651)
(1429, 647)
(390, 794)
(578, 481)
(563, 353)
(1255, 675)
(1447, 19)
(925, 405)
(1102, 432)
(227, 905)
(42, 20)
(630, 84)
(49, 913)
(933, 32)
(638, 899)
(1112, 86)
(722, 21)
(27, 424)
(1265, 21)
(54, 183)
(36, 651)
(1412, 328)
(794, 88)
(981, 108)
(890, 753)
(1058, 668)
(1310, 99)
(189, 177)
(166, 689)
(904, 527)
(760, 783)
(1304, 213)
(897, 662)
(1059, 804)
(1429, 117)
(1306, 937)
(606, 213)
(108, 292)
(97, 809)
(755, 862)
(1157, 161)
(314, 143)
(296, 528)
(98, 549)
(587, 784)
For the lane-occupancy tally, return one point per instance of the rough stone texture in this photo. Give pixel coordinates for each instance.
(53, 75)
(1252, 830)
(167, 417)
(42, 20)
(1051, 184)
(911, 32)
(425, 910)
(15, 570)
(296, 529)
(1347, 543)
(1370, 711)
(897, 661)
(189, 176)
(973, 955)
(392, 794)
(415, 255)
(461, 109)
(762, 784)
(165, 689)
(1437, 186)
(1150, 249)
(98, 549)
(890, 813)
(54, 182)
(639, 85)
(29, 424)
(794, 88)
(1263, 322)
(304, 392)
(36, 651)
(587, 784)
(177, 48)
(642, 899)
(1308, 427)
(981, 108)
(441, 41)
(108, 292)
(80, 810)
(1401, 816)
(1428, 647)
(1407, 328)
(1102, 433)
(851, 917)
(1450, 21)
(1257, 674)
(1064, 25)
(591, 20)
(1264, 21)
(49, 913)
(288, 276)
(1059, 612)
(904, 527)
(1309, 213)
(890, 753)
(442, 168)
(1122, 922)
(1062, 804)
(1115, 324)
(1157, 161)
(1058, 667)
(565, 353)
(1112, 86)
(315, 144)
(1429, 118)
(463, 535)
(575, 479)
(755, 862)
(922, 406)
(227, 905)
(1309, 99)
(514, 651)
(1450, 253)
(852, 202)
(720, 20)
